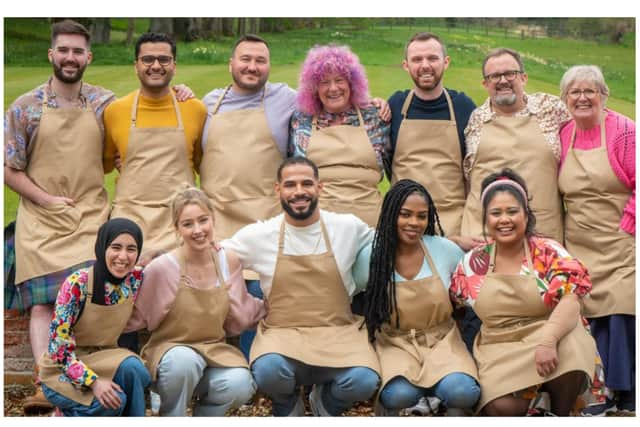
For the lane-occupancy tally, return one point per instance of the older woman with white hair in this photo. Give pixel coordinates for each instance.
(597, 180)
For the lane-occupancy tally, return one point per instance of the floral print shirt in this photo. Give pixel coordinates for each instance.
(69, 303)
(549, 111)
(377, 130)
(22, 119)
(556, 272)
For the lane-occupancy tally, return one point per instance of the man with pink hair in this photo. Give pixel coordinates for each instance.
(338, 127)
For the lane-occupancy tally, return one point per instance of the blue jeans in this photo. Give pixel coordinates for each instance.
(456, 390)
(279, 378)
(131, 376)
(246, 338)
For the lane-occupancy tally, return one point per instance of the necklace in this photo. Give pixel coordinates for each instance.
(290, 239)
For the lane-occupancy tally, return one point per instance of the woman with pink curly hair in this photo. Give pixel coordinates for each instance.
(340, 129)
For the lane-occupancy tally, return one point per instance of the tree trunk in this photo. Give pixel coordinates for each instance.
(131, 26)
(101, 30)
(242, 27)
(227, 27)
(161, 25)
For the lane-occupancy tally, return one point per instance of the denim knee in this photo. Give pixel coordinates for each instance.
(132, 367)
(239, 386)
(357, 383)
(399, 393)
(274, 374)
(458, 390)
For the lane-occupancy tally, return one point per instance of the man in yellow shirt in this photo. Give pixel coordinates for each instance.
(157, 140)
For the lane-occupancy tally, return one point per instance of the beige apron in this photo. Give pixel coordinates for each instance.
(155, 168)
(428, 151)
(513, 316)
(595, 199)
(65, 159)
(238, 168)
(348, 169)
(195, 320)
(309, 316)
(96, 334)
(428, 345)
(516, 143)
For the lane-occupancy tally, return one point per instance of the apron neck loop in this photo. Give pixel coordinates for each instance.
(325, 236)
(603, 133)
(427, 256)
(492, 255)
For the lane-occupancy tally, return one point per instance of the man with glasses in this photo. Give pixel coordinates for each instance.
(517, 130)
(427, 129)
(157, 141)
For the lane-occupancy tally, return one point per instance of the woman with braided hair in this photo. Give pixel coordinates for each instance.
(407, 308)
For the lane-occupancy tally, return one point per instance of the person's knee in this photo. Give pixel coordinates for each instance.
(398, 394)
(273, 372)
(359, 383)
(459, 390)
(117, 412)
(239, 385)
(132, 369)
(178, 366)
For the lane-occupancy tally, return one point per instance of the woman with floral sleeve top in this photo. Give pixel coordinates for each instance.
(85, 373)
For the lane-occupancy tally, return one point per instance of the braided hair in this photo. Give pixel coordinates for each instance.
(380, 295)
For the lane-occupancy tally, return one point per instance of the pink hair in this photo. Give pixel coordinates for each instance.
(323, 60)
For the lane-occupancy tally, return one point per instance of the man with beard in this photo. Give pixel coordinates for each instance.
(427, 130)
(157, 140)
(309, 336)
(516, 130)
(53, 160)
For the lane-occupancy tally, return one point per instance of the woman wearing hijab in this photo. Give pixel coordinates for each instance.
(85, 373)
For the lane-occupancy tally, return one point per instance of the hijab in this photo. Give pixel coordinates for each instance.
(107, 233)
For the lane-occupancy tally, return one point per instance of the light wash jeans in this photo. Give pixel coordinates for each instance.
(183, 373)
(456, 390)
(132, 377)
(279, 377)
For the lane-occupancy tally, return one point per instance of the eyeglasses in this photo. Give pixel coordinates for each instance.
(508, 75)
(149, 60)
(588, 93)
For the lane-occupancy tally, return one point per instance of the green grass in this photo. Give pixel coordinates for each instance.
(203, 65)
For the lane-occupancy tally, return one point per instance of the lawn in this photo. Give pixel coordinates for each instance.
(202, 65)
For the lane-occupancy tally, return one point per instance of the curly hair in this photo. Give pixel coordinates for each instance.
(323, 60)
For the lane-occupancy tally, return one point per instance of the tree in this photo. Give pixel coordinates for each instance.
(100, 30)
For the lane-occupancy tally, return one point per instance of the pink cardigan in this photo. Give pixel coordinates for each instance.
(621, 150)
(159, 288)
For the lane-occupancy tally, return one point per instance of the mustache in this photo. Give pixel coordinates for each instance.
(299, 198)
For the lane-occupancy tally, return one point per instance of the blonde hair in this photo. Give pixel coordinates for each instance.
(189, 195)
(584, 73)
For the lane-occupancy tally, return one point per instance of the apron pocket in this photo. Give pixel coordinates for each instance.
(56, 220)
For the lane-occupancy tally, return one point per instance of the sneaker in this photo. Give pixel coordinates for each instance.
(315, 402)
(600, 409)
(425, 406)
(627, 402)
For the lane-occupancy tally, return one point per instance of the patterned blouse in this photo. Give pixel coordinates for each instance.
(22, 119)
(69, 304)
(557, 273)
(548, 109)
(376, 128)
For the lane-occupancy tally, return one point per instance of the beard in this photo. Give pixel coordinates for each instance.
(429, 86)
(65, 78)
(297, 215)
(237, 76)
(509, 99)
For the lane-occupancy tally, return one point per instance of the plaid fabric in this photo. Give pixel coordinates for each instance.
(39, 290)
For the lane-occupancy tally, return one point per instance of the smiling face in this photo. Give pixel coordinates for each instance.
(195, 226)
(155, 78)
(249, 67)
(299, 190)
(506, 219)
(426, 63)
(334, 92)
(69, 57)
(121, 255)
(584, 101)
(506, 96)
(413, 220)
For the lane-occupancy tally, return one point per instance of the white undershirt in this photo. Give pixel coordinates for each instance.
(257, 244)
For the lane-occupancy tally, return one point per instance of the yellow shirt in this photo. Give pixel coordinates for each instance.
(152, 113)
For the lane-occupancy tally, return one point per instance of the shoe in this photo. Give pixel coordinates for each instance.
(315, 402)
(57, 413)
(600, 409)
(425, 406)
(298, 410)
(155, 403)
(37, 404)
(627, 402)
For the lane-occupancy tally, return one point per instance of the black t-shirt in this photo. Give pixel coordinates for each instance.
(436, 109)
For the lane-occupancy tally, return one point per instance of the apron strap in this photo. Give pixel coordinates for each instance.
(406, 104)
(182, 261)
(452, 114)
(492, 256)
(409, 98)
(325, 235)
(216, 107)
(427, 256)
(134, 109)
(603, 134)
